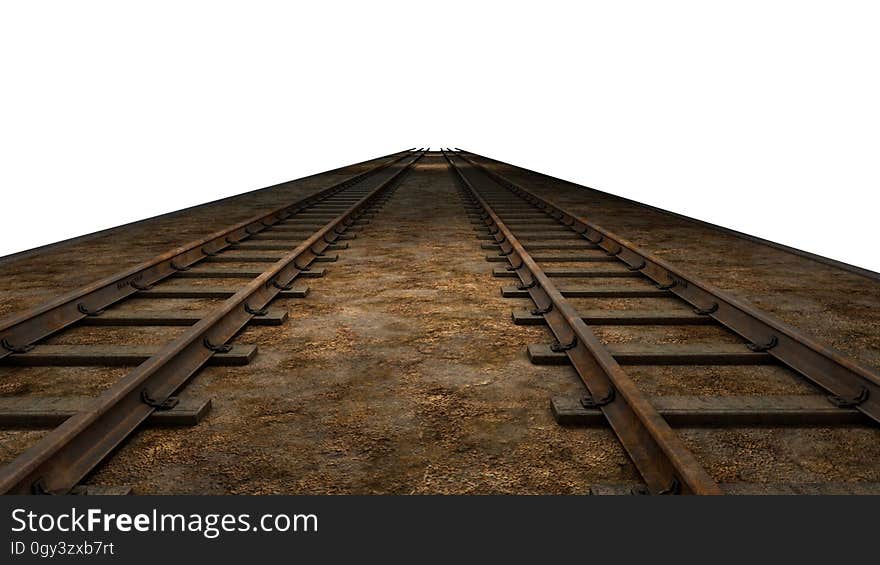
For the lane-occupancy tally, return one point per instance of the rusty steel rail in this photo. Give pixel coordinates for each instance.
(57, 462)
(19, 331)
(664, 462)
(849, 383)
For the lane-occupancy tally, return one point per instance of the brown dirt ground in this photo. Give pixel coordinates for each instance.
(401, 372)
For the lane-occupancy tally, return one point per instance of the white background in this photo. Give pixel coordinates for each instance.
(759, 116)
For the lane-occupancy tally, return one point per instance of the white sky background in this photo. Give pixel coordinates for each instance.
(759, 116)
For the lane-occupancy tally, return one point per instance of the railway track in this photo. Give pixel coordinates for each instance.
(555, 256)
(268, 254)
(552, 258)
